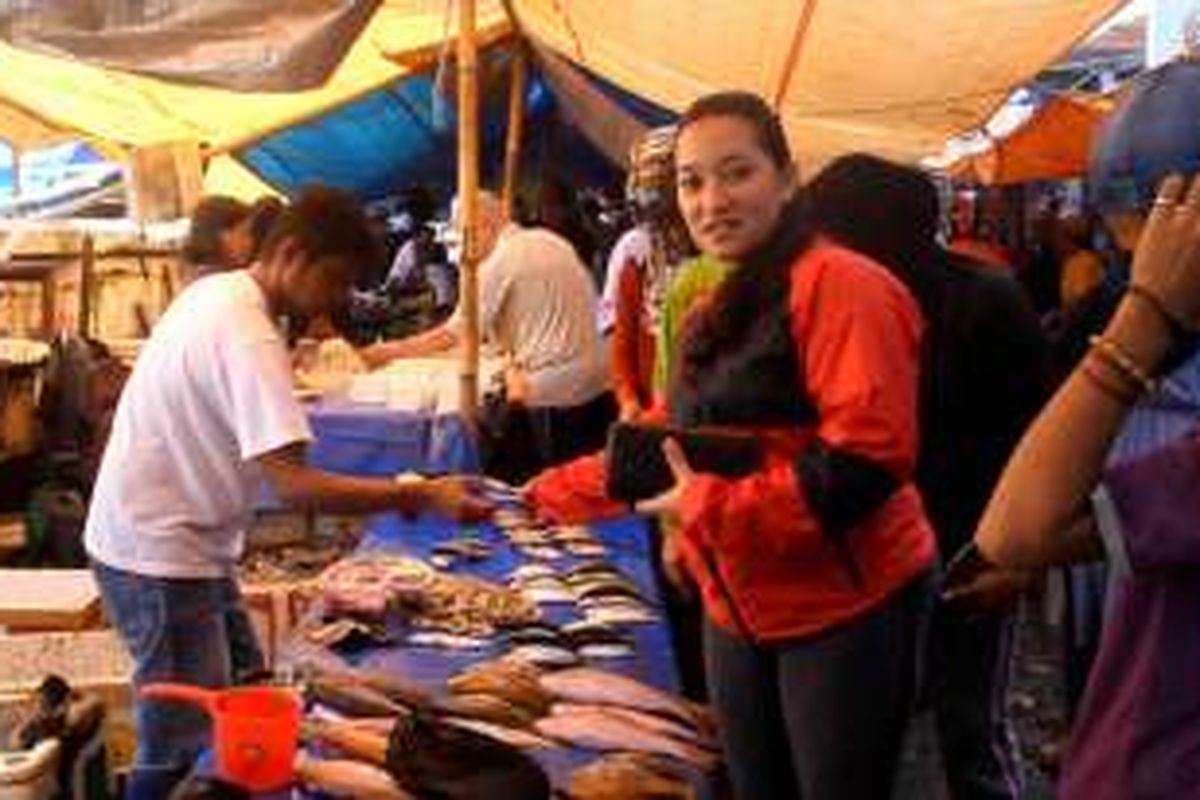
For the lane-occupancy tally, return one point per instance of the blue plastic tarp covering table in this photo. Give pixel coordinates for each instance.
(366, 439)
(627, 541)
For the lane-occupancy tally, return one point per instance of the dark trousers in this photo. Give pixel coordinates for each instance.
(518, 442)
(971, 659)
(823, 717)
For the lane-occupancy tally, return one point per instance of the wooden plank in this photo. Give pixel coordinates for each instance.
(48, 599)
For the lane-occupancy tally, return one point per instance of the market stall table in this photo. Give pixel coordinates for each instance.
(374, 439)
(627, 542)
(48, 600)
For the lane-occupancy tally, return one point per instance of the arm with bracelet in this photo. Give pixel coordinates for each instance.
(1041, 511)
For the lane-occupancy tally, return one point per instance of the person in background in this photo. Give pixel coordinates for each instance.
(219, 238)
(1062, 499)
(1149, 135)
(264, 212)
(642, 278)
(207, 414)
(1082, 268)
(537, 304)
(815, 572)
(984, 375)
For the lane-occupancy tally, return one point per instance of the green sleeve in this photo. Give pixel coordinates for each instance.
(693, 279)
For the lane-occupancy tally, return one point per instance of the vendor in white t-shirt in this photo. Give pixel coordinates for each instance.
(537, 305)
(207, 414)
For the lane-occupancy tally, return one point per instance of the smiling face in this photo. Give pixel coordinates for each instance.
(730, 190)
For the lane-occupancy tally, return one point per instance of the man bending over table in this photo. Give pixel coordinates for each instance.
(207, 413)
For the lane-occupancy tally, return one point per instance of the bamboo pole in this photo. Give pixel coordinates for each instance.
(16, 172)
(87, 286)
(516, 126)
(468, 190)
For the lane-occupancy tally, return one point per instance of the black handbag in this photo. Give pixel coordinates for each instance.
(637, 468)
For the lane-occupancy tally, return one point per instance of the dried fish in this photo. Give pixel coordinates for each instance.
(543, 553)
(545, 655)
(511, 736)
(605, 650)
(345, 778)
(629, 776)
(527, 572)
(586, 549)
(598, 687)
(597, 730)
(643, 721)
(351, 700)
(445, 639)
(512, 679)
(620, 615)
(487, 707)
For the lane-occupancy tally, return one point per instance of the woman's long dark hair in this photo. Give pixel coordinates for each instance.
(759, 288)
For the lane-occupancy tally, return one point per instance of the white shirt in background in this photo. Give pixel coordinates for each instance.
(211, 390)
(537, 303)
(634, 245)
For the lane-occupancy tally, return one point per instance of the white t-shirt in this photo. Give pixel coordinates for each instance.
(211, 390)
(634, 245)
(537, 303)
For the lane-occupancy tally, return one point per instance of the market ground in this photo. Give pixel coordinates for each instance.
(1036, 702)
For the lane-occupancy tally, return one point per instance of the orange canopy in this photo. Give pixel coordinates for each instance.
(1053, 144)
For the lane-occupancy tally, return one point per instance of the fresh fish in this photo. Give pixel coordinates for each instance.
(597, 730)
(510, 736)
(589, 686)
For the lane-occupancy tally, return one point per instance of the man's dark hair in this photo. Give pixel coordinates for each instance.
(325, 222)
(213, 216)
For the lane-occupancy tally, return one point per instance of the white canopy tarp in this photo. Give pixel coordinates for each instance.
(894, 77)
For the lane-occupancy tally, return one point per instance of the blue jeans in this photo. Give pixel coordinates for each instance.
(192, 631)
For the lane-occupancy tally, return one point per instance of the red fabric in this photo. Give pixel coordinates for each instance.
(633, 343)
(574, 492)
(857, 333)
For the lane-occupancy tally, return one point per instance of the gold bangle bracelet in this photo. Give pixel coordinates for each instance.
(1124, 393)
(1117, 357)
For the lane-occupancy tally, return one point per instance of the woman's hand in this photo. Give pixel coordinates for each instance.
(1166, 264)
(667, 505)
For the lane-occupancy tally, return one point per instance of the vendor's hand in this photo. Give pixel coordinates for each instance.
(1167, 260)
(458, 498)
(629, 411)
(672, 563)
(516, 385)
(991, 590)
(667, 504)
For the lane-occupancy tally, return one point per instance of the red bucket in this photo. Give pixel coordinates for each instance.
(255, 730)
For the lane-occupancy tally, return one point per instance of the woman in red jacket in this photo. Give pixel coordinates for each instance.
(815, 572)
